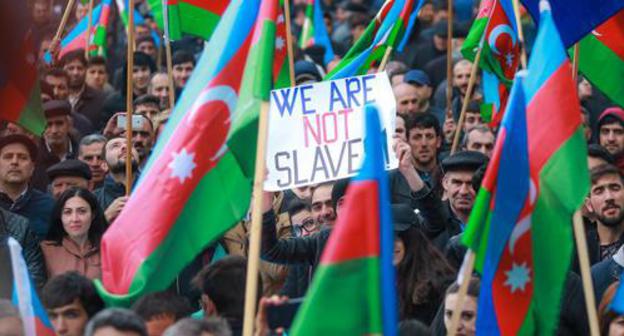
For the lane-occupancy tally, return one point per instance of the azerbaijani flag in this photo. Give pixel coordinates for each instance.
(576, 18)
(20, 96)
(17, 286)
(314, 30)
(535, 182)
(353, 290)
(198, 181)
(77, 37)
(355, 60)
(601, 58)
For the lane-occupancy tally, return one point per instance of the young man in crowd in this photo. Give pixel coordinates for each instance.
(70, 300)
(424, 136)
(183, 66)
(611, 133)
(97, 77)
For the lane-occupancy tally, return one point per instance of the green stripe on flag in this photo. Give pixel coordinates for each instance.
(336, 294)
(185, 18)
(602, 67)
(563, 185)
(32, 117)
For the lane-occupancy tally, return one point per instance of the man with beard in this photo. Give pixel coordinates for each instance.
(142, 139)
(611, 133)
(424, 136)
(84, 100)
(111, 195)
(323, 210)
(606, 203)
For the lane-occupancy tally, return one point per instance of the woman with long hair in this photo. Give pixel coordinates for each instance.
(73, 240)
(423, 274)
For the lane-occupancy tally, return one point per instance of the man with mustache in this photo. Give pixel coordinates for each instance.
(606, 203)
(611, 133)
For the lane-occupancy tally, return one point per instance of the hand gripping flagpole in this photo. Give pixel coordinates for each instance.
(467, 97)
(129, 95)
(588, 288)
(253, 257)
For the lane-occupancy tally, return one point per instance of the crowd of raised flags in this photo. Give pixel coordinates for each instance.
(520, 229)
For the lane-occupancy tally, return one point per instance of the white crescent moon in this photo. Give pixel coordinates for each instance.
(222, 93)
(524, 224)
(496, 32)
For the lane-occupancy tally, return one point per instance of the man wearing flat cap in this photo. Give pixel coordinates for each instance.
(68, 174)
(56, 144)
(17, 164)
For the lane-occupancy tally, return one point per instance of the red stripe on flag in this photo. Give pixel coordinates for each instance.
(356, 234)
(553, 115)
(213, 6)
(611, 34)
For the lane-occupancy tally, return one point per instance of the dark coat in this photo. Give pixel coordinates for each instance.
(604, 274)
(18, 227)
(90, 105)
(35, 206)
(108, 192)
(47, 159)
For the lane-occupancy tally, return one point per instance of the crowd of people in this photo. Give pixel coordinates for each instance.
(60, 190)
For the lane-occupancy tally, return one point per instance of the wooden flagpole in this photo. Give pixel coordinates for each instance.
(523, 53)
(384, 60)
(449, 60)
(575, 62)
(467, 97)
(289, 43)
(253, 257)
(588, 288)
(129, 96)
(169, 57)
(464, 281)
(64, 19)
(89, 27)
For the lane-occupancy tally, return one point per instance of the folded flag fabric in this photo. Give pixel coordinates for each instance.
(17, 286)
(353, 290)
(208, 145)
(535, 182)
(601, 57)
(19, 83)
(576, 18)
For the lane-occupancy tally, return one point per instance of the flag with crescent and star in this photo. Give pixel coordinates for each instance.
(197, 184)
(536, 180)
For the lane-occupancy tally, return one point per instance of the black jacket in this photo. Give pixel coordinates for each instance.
(17, 227)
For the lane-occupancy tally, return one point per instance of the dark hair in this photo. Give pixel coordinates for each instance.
(96, 60)
(473, 287)
(339, 190)
(424, 120)
(423, 274)
(473, 107)
(140, 59)
(478, 176)
(182, 56)
(296, 206)
(358, 19)
(63, 289)
(413, 327)
(606, 315)
(98, 224)
(597, 151)
(147, 38)
(193, 327)
(56, 72)
(74, 55)
(158, 303)
(224, 283)
(316, 187)
(118, 318)
(604, 169)
(145, 100)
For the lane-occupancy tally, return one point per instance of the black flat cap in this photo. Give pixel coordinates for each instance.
(464, 160)
(75, 168)
(56, 108)
(403, 217)
(21, 139)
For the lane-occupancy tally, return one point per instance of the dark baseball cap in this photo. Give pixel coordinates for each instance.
(417, 77)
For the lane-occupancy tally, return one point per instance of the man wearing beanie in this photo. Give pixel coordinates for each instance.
(611, 133)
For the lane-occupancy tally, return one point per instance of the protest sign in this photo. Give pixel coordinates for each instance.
(316, 130)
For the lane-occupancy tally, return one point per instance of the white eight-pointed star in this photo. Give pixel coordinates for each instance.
(517, 277)
(279, 43)
(182, 165)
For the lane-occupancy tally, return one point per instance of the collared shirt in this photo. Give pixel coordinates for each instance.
(70, 149)
(75, 98)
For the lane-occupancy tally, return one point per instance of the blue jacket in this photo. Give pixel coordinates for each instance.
(35, 205)
(604, 274)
